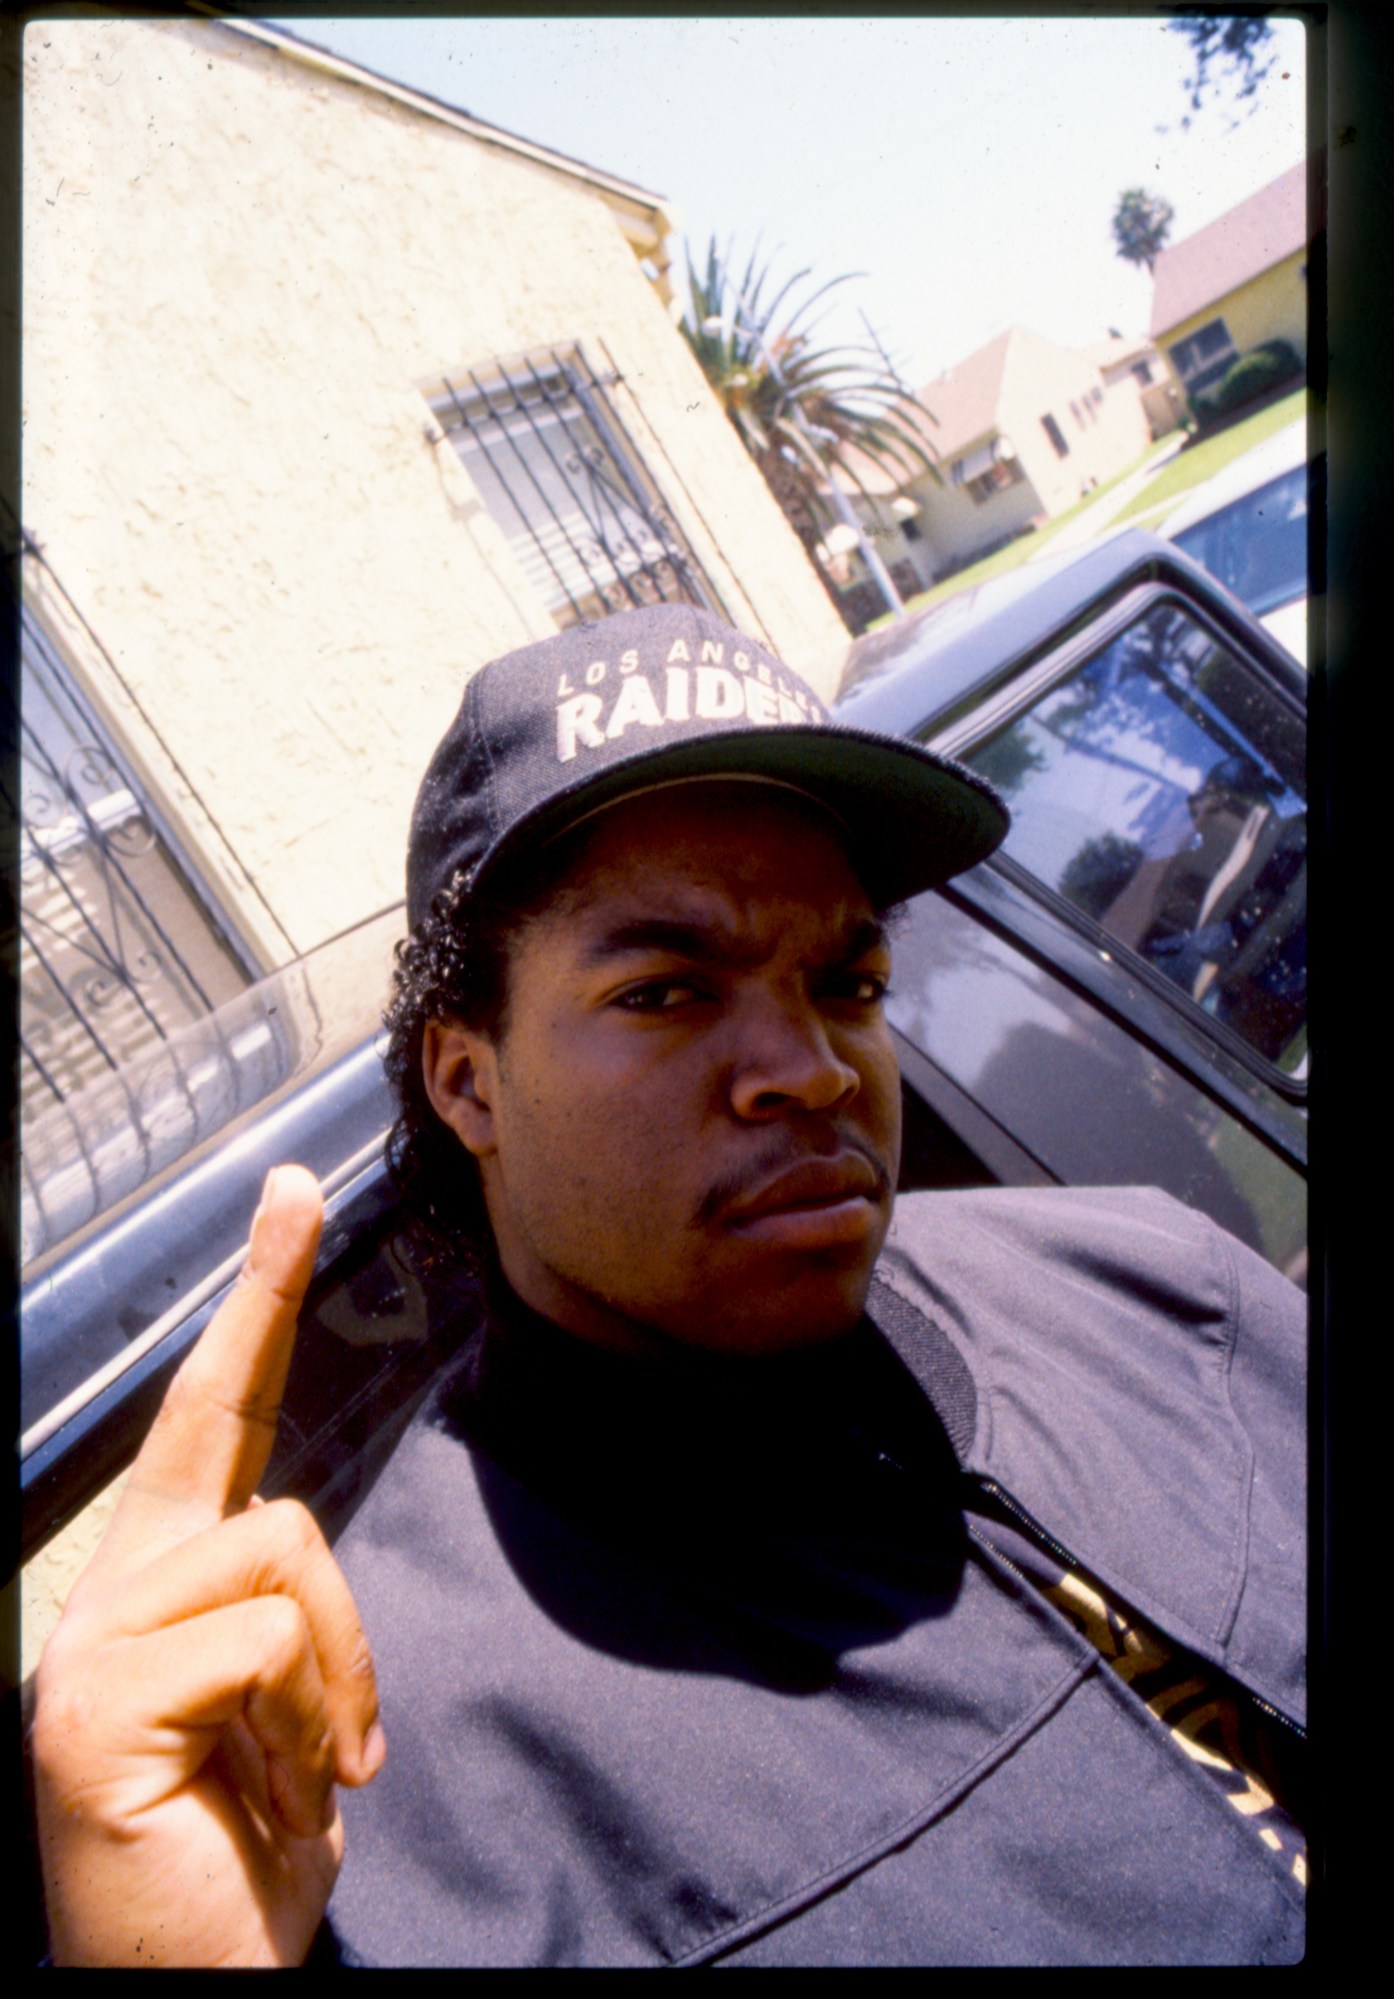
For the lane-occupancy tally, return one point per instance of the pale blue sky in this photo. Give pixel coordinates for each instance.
(968, 166)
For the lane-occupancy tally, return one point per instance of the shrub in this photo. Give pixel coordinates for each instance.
(1248, 378)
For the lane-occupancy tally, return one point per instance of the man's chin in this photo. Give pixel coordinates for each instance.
(767, 1298)
(819, 1300)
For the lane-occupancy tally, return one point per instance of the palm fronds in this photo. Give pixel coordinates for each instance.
(801, 408)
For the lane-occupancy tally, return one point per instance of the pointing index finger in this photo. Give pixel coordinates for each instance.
(209, 1444)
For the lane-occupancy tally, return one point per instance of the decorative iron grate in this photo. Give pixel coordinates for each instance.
(562, 476)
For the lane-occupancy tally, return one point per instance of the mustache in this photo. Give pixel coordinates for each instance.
(752, 1174)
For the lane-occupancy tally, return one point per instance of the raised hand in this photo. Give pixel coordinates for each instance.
(209, 1682)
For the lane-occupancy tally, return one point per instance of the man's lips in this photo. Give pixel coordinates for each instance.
(815, 1203)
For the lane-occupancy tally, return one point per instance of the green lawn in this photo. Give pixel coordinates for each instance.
(1015, 551)
(1201, 461)
(991, 565)
(1144, 509)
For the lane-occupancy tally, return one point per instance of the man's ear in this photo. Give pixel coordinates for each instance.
(460, 1072)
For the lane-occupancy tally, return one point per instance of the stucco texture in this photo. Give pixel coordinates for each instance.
(241, 278)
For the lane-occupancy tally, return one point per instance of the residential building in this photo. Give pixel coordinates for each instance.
(1240, 281)
(1021, 430)
(332, 392)
(1134, 369)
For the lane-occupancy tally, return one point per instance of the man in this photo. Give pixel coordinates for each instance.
(765, 1581)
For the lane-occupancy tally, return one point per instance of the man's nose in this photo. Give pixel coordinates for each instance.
(787, 1058)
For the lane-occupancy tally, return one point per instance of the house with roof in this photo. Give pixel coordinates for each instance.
(1132, 368)
(332, 392)
(1021, 430)
(1235, 284)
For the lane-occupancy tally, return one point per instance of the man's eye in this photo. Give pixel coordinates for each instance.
(861, 988)
(659, 996)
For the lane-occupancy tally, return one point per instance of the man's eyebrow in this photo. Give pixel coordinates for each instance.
(867, 933)
(701, 942)
(709, 944)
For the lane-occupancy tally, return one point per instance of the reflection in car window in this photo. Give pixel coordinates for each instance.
(1258, 546)
(1160, 790)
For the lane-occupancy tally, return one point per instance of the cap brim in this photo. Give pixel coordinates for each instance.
(914, 818)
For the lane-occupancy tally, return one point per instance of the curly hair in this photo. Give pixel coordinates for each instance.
(454, 966)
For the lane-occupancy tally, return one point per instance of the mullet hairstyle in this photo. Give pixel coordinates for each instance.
(454, 966)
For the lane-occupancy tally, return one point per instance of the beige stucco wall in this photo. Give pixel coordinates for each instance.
(1104, 439)
(1271, 307)
(956, 526)
(1163, 403)
(1160, 400)
(1045, 380)
(238, 274)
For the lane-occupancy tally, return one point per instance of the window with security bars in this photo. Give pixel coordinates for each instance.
(117, 950)
(561, 474)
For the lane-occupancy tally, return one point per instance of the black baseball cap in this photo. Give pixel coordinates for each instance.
(550, 733)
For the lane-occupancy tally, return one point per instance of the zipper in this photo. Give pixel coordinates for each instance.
(1273, 1713)
(1029, 1522)
(1072, 1563)
(976, 1534)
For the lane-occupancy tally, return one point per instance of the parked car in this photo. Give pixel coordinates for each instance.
(1118, 996)
(1250, 527)
(1120, 993)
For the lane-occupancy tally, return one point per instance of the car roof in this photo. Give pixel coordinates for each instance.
(1266, 461)
(923, 670)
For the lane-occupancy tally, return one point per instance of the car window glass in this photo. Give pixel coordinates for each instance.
(118, 1136)
(1257, 546)
(1160, 790)
(137, 1191)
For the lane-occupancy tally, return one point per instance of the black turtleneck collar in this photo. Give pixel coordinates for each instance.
(541, 1398)
(797, 1506)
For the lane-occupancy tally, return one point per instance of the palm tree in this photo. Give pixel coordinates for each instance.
(800, 408)
(1141, 225)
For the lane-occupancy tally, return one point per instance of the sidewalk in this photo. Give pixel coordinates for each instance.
(1093, 520)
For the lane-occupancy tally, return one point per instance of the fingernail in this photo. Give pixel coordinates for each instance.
(374, 1749)
(268, 1195)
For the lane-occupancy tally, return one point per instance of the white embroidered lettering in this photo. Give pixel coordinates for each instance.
(636, 704)
(741, 662)
(713, 650)
(628, 661)
(790, 711)
(719, 697)
(578, 722)
(764, 673)
(678, 710)
(759, 701)
(595, 673)
(564, 688)
(678, 650)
